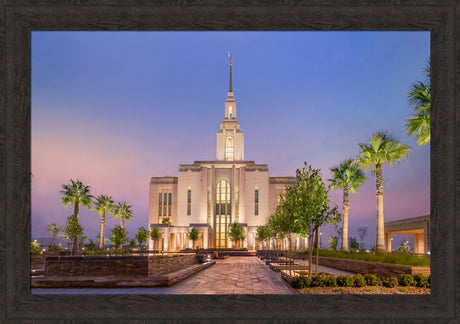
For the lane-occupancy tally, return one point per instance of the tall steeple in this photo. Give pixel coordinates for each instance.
(230, 139)
(230, 84)
(230, 105)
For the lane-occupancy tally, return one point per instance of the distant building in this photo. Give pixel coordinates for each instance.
(419, 227)
(212, 195)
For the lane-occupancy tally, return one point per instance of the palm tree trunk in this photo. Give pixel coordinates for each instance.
(122, 222)
(346, 204)
(380, 240)
(101, 237)
(75, 213)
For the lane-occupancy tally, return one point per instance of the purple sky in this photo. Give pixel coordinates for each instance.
(116, 108)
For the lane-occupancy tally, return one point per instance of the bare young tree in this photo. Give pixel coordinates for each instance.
(362, 232)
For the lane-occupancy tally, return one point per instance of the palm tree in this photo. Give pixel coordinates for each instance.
(420, 98)
(349, 176)
(382, 149)
(103, 205)
(78, 194)
(122, 211)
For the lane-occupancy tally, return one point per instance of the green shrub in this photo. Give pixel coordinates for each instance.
(300, 282)
(344, 281)
(420, 281)
(390, 282)
(406, 280)
(359, 281)
(330, 281)
(372, 279)
(318, 281)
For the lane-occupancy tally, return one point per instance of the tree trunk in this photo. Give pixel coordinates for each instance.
(101, 237)
(346, 204)
(122, 222)
(310, 254)
(317, 250)
(380, 240)
(75, 213)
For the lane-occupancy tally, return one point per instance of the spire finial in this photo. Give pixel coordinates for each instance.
(230, 84)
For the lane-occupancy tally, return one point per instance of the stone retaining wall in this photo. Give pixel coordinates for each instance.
(162, 263)
(98, 266)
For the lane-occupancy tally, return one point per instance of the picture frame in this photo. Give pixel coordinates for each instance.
(22, 17)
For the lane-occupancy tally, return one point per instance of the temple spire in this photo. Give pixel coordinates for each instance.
(230, 83)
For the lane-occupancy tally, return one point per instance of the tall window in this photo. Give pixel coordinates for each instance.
(169, 204)
(189, 202)
(164, 205)
(237, 206)
(223, 212)
(160, 208)
(229, 149)
(256, 202)
(209, 206)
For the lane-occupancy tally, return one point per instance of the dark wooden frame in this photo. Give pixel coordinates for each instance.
(18, 18)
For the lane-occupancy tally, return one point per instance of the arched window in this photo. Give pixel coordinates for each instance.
(229, 149)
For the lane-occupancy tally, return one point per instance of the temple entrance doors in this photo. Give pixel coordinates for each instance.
(222, 216)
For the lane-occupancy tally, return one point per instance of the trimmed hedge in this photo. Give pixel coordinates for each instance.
(359, 280)
(389, 282)
(344, 281)
(372, 280)
(406, 280)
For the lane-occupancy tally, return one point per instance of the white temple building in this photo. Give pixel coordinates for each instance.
(212, 195)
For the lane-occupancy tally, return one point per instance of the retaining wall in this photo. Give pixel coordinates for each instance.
(66, 266)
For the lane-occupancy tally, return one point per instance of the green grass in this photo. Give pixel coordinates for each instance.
(393, 258)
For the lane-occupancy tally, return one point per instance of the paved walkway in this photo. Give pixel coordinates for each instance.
(234, 275)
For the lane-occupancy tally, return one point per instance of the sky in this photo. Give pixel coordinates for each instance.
(114, 109)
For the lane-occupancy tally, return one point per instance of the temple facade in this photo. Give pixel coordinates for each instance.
(212, 195)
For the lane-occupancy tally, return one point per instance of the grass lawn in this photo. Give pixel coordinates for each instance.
(394, 258)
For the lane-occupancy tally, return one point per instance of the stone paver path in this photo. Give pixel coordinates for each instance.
(234, 275)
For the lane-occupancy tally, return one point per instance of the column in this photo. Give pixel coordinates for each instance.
(245, 242)
(166, 238)
(205, 238)
(388, 241)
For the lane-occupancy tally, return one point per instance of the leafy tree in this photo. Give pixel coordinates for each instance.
(122, 211)
(313, 205)
(119, 236)
(74, 230)
(166, 220)
(91, 245)
(404, 247)
(275, 229)
(362, 232)
(382, 149)
(420, 99)
(104, 204)
(354, 243)
(155, 236)
(333, 240)
(132, 243)
(78, 194)
(194, 236)
(348, 176)
(35, 247)
(262, 234)
(142, 235)
(236, 233)
(286, 212)
(54, 230)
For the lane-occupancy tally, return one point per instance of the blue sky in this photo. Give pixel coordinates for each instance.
(116, 108)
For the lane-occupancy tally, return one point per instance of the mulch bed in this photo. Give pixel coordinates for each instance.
(368, 290)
